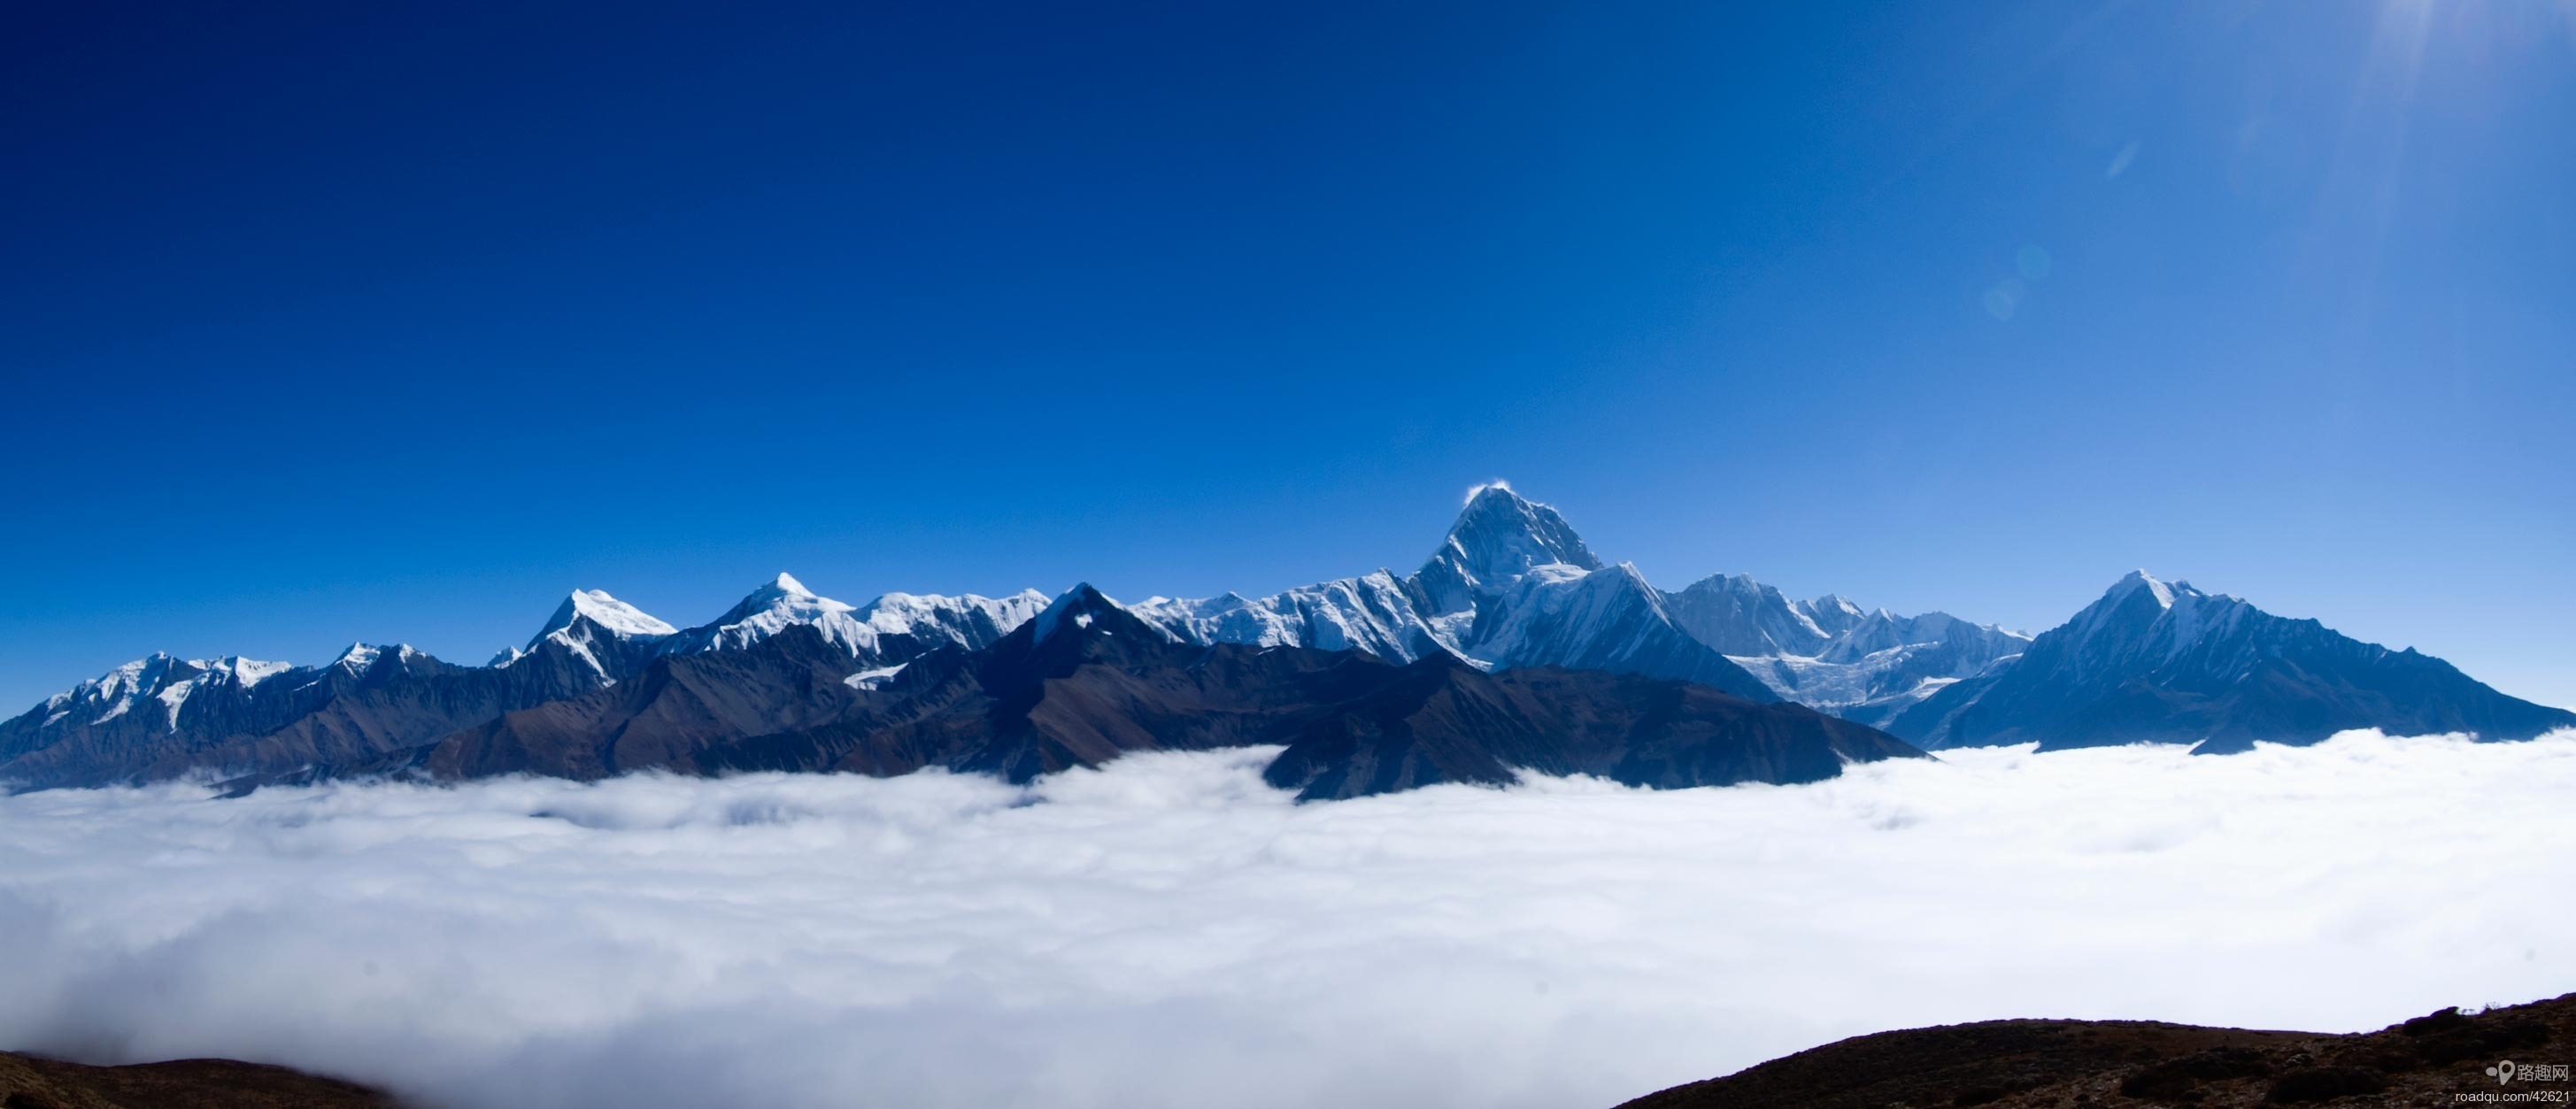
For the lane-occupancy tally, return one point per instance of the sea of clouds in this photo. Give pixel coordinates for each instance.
(1171, 932)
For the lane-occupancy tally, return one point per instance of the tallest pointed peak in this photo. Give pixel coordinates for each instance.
(1497, 488)
(2136, 580)
(1499, 536)
(1497, 500)
(1502, 531)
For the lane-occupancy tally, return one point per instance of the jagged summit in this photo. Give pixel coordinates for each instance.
(2139, 604)
(2136, 580)
(1083, 608)
(1377, 613)
(2158, 662)
(1498, 537)
(886, 631)
(609, 613)
(362, 657)
(783, 595)
(904, 613)
(1511, 587)
(1832, 613)
(1741, 616)
(160, 677)
(163, 715)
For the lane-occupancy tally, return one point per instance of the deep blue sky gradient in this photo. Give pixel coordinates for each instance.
(333, 322)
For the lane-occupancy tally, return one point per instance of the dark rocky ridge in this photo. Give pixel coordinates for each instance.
(34, 1082)
(1511, 586)
(1087, 682)
(2029, 1064)
(2170, 664)
(335, 719)
(2007, 1064)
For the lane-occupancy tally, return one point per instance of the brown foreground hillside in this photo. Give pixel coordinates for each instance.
(2005, 1064)
(28, 1082)
(2076, 1064)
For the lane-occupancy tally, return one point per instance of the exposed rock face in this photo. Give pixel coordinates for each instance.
(1442, 721)
(31, 1082)
(1510, 587)
(1498, 538)
(2028, 1064)
(2152, 662)
(677, 706)
(1086, 681)
(162, 717)
(1741, 616)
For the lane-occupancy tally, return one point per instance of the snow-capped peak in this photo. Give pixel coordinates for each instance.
(608, 612)
(888, 629)
(1370, 613)
(1498, 537)
(109, 695)
(1741, 616)
(243, 670)
(912, 613)
(362, 657)
(2141, 613)
(780, 603)
(2139, 579)
(1078, 607)
(783, 594)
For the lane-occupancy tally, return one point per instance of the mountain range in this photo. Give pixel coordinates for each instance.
(2152, 662)
(1512, 647)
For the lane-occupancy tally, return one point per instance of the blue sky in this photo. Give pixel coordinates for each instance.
(395, 325)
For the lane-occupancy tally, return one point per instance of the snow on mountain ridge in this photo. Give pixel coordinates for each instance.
(1370, 613)
(357, 658)
(111, 694)
(1830, 655)
(2165, 663)
(1511, 584)
(779, 604)
(1498, 537)
(865, 631)
(609, 613)
(908, 613)
(1740, 616)
(158, 676)
(1832, 613)
(1084, 608)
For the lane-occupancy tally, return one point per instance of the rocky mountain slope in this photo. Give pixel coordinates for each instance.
(1086, 680)
(160, 717)
(33, 1082)
(2151, 662)
(2028, 1064)
(1511, 586)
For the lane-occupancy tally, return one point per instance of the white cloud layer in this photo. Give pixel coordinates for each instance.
(1170, 932)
